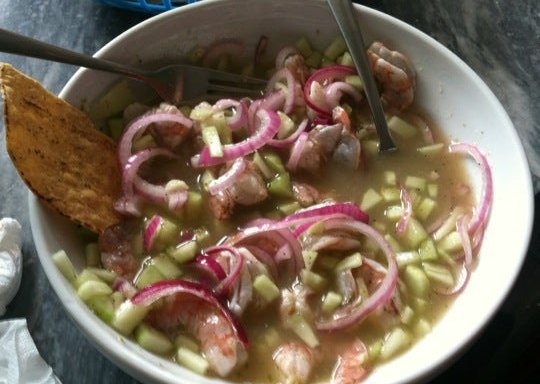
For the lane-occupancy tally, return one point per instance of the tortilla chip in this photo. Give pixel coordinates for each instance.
(60, 155)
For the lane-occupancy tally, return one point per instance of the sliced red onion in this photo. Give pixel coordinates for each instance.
(139, 125)
(239, 118)
(462, 229)
(210, 266)
(231, 47)
(151, 293)
(228, 178)
(296, 151)
(284, 73)
(269, 126)
(330, 208)
(287, 142)
(459, 286)
(407, 211)
(264, 258)
(176, 199)
(123, 286)
(480, 215)
(334, 92)
(358, 310)
(283, 54)
(324, 76)
(235, 267)
(151, 231)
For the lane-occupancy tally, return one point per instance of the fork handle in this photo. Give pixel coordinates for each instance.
(17, 44)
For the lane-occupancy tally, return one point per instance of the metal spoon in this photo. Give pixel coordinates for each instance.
(344, 14)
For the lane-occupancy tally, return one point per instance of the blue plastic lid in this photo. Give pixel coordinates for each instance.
(149, 6)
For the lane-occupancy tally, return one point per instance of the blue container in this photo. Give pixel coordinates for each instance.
(148, 6)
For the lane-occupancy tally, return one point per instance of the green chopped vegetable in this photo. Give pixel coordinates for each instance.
(266, 288)
(416, 280)
(127, 316)
(396, 341)
(152, 340)
(335, 49)
(211, 138)
(349, 262)
(64, 265)
(370, 199)
(192, 360)
(184, 252)
(281, 186)
(304, 47)
(401, 127)
(331, 302)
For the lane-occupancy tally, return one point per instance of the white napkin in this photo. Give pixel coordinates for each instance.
(20, 362)
(10, 261)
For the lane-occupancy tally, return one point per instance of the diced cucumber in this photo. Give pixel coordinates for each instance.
(289, 208)
(127, 316)
(194, 205)
(336, 48)
(370, 199)
(144, 142)
(346, 59)
(304, 47)
(431, 150)
(407, 315)
(266, 288)
(414, 233)
(313, 280)
(152, 340)
(166, 267)
(286, 127)
(326, 61)
(421, 327)
(314, 60)
(309, 258)
(416, 280)
(192, 360)
(117, 299)
(211, 138)
(433, 190)
(90, 289)
(374, 350)
(92, 255)
(103, 274)
(402, 127)
(206, 178)
(355, 81)
(260, 163)
(415, 182)
(427, 250)
(184, 252)
(438, 274)
(114, 101)
(390, 177)
(379, 226)
(281, 186)
(103, 307)
(425, 208)
(271, 337)
(450, 243)
(332, 300)
(390, 194)
(186, 342)
(116, 127)
(394, 244)
(301, 327)
(449, 224)
(86, 275)
(201, 112)
(394, 212)
(167, 234)
(396, 341)
(273, 161)
(149, 275)
(419, 304)
(316, 229)
(64, 265)
(327, 262)
(405, 258)
(349, 262)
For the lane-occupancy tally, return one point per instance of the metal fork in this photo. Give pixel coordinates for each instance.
(172, 83)
(344, 14)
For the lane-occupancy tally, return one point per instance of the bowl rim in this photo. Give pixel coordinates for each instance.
(134, 361)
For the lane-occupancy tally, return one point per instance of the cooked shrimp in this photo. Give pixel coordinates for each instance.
(295, 362)
(293, 302)
(297, 65)
(349, 369)
(321, 142)
(169, 134)
(249, 189)
(115, 245)
(396, 75)
(218, 342)
(348, 151)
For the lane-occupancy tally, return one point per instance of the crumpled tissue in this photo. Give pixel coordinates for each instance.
(20, 362)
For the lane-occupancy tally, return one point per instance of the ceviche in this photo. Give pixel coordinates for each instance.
(267, 240)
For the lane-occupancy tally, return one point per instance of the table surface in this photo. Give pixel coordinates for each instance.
(498, 39)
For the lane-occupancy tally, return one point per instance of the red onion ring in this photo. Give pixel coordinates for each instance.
(210, 266)
(283, 54)
(151, 231)
(334, 93)
(329, 208)
(123, 286)
(269, 126)
(296, 151)
(228, 178)
(264, 258)
(153, 292)
(480, 215)
(407, 211)
(140, 124)
(224, 286)
(461, 226)
(287, 142)
(284, 73)
(240, 116)
(459, 286)
(357, 311)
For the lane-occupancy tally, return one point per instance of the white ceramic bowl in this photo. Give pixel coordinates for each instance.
(450, 92)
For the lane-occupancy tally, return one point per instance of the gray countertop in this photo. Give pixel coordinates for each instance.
(499, 39)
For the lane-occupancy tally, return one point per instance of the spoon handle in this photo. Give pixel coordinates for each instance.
(344, 14)
(14, 43)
